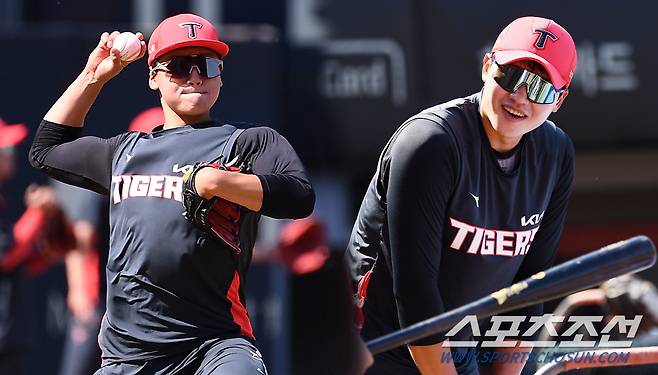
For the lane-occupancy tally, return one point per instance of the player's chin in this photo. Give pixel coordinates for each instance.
(194, 98)
(198, 99)
(511, 129)
(195, 105)
(188, 109)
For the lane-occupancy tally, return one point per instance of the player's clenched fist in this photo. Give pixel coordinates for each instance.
(105, 60)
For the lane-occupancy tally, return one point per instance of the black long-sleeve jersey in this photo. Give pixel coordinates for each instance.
(442, 224)
(167, 290)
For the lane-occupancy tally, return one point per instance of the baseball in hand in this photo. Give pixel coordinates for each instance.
(128, 44)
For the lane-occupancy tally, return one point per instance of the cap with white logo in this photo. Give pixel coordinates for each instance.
(541, 40)
(184, 30)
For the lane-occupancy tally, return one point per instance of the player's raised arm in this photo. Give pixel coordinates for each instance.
(62, 123)
(104, 62)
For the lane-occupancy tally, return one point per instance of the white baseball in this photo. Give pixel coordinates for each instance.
(128, 44)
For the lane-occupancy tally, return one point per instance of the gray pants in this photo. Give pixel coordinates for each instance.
(215, 357)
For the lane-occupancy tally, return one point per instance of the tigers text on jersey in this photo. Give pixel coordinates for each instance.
(485, 241)
(442, 224)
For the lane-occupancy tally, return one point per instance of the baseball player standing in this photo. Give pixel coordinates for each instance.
(469, 196)
(175, 284)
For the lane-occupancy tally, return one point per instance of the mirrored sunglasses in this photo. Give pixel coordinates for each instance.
(539, 90)
(181, 66)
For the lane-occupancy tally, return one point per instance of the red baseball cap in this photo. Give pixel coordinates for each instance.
(184, 30)
(303, 245)
(541, 40)
(11, 135)
(146, 120)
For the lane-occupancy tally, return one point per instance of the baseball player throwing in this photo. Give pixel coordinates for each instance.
(175, 283)
(468, 197)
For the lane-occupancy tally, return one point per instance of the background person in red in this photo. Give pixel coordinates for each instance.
(28, 247)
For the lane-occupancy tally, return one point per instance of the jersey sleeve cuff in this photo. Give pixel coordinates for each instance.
(286, 197)
(67, 133)
(267, 192)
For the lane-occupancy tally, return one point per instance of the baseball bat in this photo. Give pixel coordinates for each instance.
(628, 256)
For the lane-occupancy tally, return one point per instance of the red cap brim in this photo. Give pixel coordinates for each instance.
(506, 57)
(11, 135)
(309, 260)
(217, 46)
(302, 246)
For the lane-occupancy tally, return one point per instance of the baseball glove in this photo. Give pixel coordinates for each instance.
(215, 216)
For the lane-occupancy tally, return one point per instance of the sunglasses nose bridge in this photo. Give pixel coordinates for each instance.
(517, 86)
(191, 77)
(522, 81)
(519, 93)
(192, 69)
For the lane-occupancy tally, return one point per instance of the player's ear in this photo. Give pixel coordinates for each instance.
(486, 64)
(560, 100)
(153, 84)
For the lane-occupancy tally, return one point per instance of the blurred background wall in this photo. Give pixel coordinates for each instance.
(336, 78)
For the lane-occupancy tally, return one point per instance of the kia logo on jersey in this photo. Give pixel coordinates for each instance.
(184, 169)
(532, 220)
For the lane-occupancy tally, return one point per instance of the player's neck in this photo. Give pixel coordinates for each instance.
(498, 141)
(175, 120)
(503, 144)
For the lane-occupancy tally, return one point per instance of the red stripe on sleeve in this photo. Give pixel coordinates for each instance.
(240, 316)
